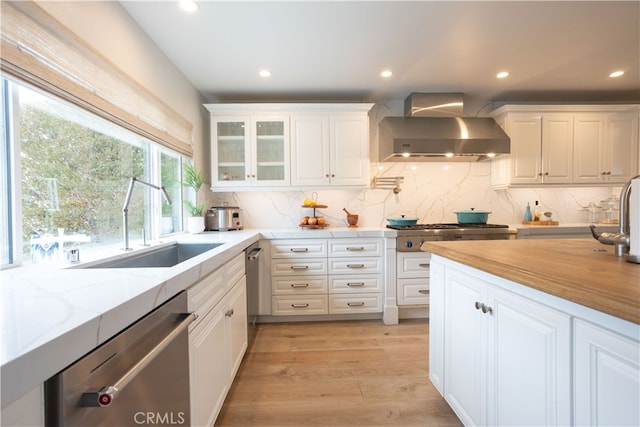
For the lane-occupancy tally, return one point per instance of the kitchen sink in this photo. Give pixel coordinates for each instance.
(165, 256)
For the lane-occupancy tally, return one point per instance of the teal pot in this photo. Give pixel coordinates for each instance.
(472, 216)
(402, 221)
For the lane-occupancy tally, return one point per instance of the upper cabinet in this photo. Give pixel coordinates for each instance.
(567, 145)
(250, 151)
(289, 145)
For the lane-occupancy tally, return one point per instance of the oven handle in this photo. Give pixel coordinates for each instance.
(106, 395)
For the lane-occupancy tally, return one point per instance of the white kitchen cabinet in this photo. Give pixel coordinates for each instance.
(567, 145)
(289, 145)
(217, 339)
(412, 284)
(250, 151)
(506, 358)
(607, 377)
(28, 410)
(330, 150)
(320, 276)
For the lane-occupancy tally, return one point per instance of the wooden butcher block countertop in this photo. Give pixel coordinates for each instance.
(567, 268)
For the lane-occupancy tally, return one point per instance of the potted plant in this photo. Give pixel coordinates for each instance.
(193, 178)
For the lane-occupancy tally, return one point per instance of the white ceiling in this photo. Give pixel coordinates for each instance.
(335, 50)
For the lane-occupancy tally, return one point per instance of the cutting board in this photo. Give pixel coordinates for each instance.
(540, 223)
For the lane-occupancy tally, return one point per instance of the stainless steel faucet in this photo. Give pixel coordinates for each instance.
(621, 239)
(125, 208)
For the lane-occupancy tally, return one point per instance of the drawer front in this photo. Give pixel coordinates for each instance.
(299, 285)
(299, 305)
(355, 283)
(234, 270)
(355, 247)
(301, 267)
(413, 291)
(298, 248)
(413, 264)
(358, 303)
(205, 294)
(361, 265)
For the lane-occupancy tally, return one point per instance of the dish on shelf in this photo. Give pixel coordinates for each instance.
(315, 206)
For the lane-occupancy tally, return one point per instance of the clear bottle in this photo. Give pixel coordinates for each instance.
(537, 212)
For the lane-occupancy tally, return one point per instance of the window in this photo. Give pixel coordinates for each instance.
(74, 170)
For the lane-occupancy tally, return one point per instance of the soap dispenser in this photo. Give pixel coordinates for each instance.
(527, 213)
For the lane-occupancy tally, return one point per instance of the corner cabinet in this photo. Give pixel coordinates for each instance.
(286, 146)
(567, 145)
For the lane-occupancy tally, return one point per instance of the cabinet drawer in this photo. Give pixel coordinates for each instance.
(299, 305)
(355, 303)
(299, 285)
(234, 270)
(298, 248)
(301, 267)
(360, 265)
(355, 284)
(355, 247)
(413, 264)
(205, 294)
(413, 291)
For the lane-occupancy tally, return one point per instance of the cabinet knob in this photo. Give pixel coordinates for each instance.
(229, 313)
(546, 173)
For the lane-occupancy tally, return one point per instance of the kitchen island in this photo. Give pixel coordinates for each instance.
(535, 332)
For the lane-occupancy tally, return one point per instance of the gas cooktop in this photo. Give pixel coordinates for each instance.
(445, 226)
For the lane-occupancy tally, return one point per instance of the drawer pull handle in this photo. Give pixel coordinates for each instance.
(299, 267)
(355, 304)
(355, 265)
(299, 285)
(355, 285)
(299, 249)
(424, 265)
(300, 305)
(355, 248)
(229, 313)
(424, 291)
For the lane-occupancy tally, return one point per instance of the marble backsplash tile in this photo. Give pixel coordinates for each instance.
(431, 192)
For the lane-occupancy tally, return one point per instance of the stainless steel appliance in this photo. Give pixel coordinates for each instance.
(139, 377)
(223, 218)
(434, 129)
(252, 270)
(411, 237)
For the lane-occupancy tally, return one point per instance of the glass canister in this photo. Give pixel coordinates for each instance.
(593, 212)
(610, 210)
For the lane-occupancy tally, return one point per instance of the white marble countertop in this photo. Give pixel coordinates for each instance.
(52, 315)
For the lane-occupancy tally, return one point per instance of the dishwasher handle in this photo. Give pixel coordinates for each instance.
(254, 254)
(107, 394)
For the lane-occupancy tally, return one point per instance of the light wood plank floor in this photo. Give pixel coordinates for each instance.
(336, 374)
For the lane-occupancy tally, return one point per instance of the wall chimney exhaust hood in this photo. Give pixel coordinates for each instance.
(433, 129)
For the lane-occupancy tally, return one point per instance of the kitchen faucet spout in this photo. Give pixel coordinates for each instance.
(127, 200)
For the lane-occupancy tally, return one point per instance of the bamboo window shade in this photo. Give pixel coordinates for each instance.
(39, 50)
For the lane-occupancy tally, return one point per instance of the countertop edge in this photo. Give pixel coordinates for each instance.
(562, 287)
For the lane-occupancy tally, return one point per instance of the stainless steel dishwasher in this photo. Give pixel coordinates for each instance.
(139, 377)
(252, 269)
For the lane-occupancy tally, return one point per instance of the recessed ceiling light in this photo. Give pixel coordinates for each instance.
(189, 5)
(386, 74)
(265, 73)
(502, 74)
(616, 74)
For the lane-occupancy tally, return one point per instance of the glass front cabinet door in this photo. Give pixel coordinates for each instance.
(250, 151)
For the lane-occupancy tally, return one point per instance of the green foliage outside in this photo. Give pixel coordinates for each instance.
(76, 178)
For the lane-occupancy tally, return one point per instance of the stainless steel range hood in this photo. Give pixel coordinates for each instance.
(433, 129)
